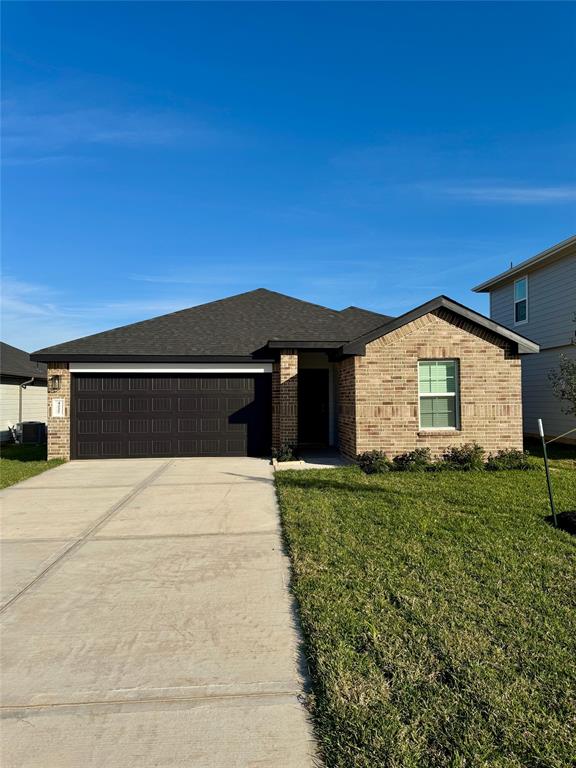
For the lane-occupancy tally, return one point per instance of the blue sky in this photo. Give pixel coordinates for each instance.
(160, 155)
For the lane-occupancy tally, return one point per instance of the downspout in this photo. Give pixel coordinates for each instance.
(22, 387)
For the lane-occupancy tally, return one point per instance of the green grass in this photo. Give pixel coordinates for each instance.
(19, 462)
(559, 455)
(439, 616)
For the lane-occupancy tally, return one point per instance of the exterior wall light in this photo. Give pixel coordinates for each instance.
(54, 383)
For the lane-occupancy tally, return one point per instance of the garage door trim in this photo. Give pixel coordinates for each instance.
(154, 415)
(170, 367)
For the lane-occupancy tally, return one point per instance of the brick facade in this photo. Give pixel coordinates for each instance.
(285, 399)
(378, 393)
(346, 406)
(59, 427)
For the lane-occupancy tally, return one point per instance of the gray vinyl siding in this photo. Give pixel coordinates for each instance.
(551, 304)
(537, 397)
(551, 323)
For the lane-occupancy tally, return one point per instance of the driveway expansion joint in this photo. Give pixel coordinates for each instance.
(77, 542)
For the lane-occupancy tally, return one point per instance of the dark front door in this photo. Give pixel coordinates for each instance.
(313, 388)
(122, 415)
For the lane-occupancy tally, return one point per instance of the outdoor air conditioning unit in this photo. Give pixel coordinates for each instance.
(32, 432)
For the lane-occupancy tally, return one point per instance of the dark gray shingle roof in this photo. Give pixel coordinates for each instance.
(238, 326)
(16, 362)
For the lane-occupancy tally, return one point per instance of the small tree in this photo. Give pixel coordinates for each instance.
(563, 381)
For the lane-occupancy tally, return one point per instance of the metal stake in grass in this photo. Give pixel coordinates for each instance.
(552, 507)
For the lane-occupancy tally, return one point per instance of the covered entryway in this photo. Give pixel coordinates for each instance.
(313, 405)
(117, 415)
(316, 399)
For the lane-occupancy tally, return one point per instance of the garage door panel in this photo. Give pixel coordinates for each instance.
(111, 405)
(111, 384)
(139, 416)
(111, 426)
(139, 404)
(136, 383)
(162, 383)
(88, 405)
(188, 447)
(161, 404)
(111, 449)
(191, 424)
(187, 384)
(162, 425)
(89, 384)
(88, 427)
(138, 426)
(188, 404)
(89, 449)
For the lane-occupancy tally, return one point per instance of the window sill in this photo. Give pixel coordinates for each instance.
(438, 432)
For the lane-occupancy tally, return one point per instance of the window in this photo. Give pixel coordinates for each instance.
(438, 391)
(521, 301)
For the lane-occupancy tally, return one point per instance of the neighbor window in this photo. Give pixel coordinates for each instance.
(438, 391)
(521, 301)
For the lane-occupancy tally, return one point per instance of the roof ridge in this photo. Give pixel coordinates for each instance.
(300, 301)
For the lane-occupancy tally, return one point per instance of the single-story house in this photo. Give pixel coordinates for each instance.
(260, 370)
(23, 393)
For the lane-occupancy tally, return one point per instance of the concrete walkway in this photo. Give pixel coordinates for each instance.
(146, 619)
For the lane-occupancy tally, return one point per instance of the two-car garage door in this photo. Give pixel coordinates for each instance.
(125, 415)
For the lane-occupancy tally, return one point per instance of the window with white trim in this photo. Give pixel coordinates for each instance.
(438, 390)
(521, 301)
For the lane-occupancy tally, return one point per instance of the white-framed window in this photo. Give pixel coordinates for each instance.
(521, 301)
(438, 394)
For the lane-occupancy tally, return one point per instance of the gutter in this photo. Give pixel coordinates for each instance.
(22, 387)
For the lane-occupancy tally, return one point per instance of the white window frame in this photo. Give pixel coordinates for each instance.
(517, 301)
(455, 395)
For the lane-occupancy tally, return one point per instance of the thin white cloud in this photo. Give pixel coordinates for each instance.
(52, 131)
(35, 316)
(508, 194)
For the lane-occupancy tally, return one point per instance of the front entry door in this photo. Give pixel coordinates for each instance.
(313, 393)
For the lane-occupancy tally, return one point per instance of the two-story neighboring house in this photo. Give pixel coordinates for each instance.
(537, 298)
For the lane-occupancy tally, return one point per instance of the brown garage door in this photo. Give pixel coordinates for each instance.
(127, 416)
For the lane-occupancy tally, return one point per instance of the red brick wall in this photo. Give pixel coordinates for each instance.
(59, 427)
(386, 389)
(285, 399)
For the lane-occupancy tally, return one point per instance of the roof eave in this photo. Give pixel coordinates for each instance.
(557, 251)
(292, 344)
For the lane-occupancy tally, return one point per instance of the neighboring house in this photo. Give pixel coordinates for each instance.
(23, 394)
(261, 369)
(537, 298)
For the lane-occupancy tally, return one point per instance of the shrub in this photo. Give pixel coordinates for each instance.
(286, 452)
(464, 457)
(373, 462)
(413, 461)
(512, 459)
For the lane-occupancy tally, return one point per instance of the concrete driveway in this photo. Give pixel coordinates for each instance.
(146, 619)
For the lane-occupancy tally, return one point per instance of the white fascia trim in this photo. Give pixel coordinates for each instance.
(171, 367)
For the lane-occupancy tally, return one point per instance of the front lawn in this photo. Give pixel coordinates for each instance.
(19, 462)
(439, 616)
